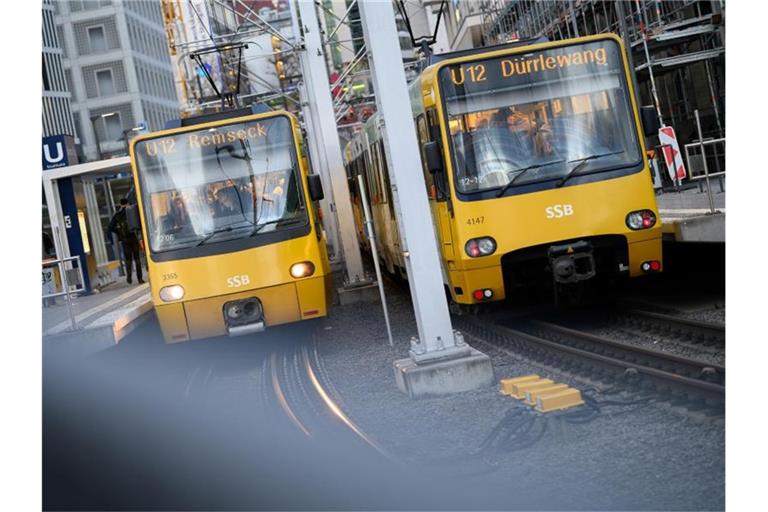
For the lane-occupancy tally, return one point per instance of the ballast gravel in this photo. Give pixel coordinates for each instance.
(634, 457)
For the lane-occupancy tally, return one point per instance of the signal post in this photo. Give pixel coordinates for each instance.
(322, 127)
(439, 361)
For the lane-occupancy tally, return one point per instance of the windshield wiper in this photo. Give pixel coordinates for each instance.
(582, 162)
(523, 171)
(214, 233)
(285, 222)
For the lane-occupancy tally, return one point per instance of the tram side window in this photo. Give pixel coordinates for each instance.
(423, 134)
(351, 179)
(363, 170)
(381, 170)
(373, 182)
(441, 184)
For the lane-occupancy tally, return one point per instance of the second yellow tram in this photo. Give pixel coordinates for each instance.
(534, 164)
(230, 225)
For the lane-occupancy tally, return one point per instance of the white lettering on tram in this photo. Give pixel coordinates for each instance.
(238, 281)
(559, 210)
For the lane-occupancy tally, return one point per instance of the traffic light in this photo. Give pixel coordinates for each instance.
(279, 66)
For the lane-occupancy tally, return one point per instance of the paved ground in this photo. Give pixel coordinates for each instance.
(89, 307)
(690, 199)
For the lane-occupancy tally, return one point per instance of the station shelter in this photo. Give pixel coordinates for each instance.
(79, 201)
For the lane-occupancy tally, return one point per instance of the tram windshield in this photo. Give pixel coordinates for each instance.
(222, 183)
(541, 116)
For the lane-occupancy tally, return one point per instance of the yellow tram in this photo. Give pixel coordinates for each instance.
(230, 225)
(534, 164)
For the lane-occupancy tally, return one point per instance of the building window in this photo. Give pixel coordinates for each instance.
(97, 39)
(46, 83)
(105, 83)
(113, 127)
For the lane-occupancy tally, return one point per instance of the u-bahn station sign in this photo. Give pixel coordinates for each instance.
(56, 151)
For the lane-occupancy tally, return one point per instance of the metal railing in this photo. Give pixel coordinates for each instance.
(719, 172)
(66, 275)
(713, 150)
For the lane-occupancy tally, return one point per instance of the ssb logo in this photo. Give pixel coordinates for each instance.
(238, 281)
(558, 211)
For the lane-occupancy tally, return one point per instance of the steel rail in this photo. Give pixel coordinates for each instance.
(579, 360)
(683, 366)
(695, 328)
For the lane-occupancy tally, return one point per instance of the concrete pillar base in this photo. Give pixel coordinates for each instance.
(364, 292)
(444, 376)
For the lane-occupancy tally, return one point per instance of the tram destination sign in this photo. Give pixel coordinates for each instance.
(486, 75)
(199, 140)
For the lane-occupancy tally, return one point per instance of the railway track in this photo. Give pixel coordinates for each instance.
(295, 380)
(691, 332)
(681, 381)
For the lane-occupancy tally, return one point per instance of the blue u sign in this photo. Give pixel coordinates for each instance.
(54, 152)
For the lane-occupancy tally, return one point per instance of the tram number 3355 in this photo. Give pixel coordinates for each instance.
(238, 281)
(559, 210)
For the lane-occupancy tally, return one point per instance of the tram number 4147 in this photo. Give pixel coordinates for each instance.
(475, 220)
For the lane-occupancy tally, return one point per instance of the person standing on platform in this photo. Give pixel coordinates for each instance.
(119, 226)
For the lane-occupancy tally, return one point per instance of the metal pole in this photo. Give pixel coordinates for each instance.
(704, 160)
(321, 103)
(116, 249)
(96, 138)
(65, 285)
(439, 361)
(622, 15)
(713, 98)
(318, 158)
(316, 153)
(51, 189)
(341, 21)
(573, 19)
(272, 30)
(374, 251)
(418, 242)
(648, 61)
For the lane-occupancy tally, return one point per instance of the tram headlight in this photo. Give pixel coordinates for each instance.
(171, 293)
(302, 269)
(483, 246)
(641, 219)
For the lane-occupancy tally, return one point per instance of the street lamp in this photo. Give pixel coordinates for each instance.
(96, 132)
(125, 136)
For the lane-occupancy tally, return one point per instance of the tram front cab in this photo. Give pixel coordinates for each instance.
(230, 227)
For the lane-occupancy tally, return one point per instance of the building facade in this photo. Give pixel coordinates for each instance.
(677, 49)
(117, 69)
(57, 111)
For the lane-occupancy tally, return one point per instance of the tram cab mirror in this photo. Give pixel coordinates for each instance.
(650, 120)
(434, 159)
(315, 187)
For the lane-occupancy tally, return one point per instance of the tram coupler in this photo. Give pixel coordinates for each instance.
(571, 263)
(245, 316)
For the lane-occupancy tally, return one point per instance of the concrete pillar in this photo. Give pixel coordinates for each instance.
(324, 124)
(440, 362)
(98, 246)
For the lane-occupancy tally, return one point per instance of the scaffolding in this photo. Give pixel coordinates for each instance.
(677, 48)
(230, 24)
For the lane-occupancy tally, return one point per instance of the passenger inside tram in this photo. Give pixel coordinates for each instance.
(540, 139)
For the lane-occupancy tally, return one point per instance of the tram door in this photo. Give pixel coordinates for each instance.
(428, 130)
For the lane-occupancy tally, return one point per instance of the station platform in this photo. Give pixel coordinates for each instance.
(102, 319)
(686, 215)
